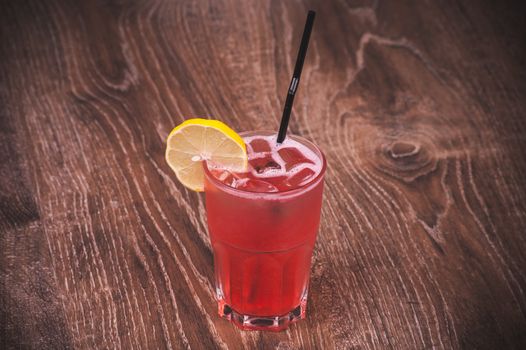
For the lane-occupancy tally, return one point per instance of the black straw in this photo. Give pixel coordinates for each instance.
(296, 77)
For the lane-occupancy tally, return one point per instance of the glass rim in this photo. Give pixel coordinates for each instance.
(303, 188)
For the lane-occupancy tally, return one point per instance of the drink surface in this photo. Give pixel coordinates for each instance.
(273, 167)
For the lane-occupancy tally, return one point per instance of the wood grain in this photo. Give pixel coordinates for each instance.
(418, 105)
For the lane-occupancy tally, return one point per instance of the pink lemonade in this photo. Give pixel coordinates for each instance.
(263, 225)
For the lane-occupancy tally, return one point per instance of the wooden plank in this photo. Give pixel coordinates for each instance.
(419, 107)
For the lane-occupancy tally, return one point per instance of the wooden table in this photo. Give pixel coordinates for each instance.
(419, 107)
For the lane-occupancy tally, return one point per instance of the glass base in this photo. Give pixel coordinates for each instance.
(262, 323)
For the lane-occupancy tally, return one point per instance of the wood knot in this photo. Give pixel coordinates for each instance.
(403, 149)
(404, 145)
(406, 159)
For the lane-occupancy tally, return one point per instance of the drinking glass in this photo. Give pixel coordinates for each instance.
(262, 244)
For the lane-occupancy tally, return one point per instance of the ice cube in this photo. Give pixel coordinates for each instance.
(300, 177)
(266, 165)
(259, 145)
(292, 156)
(223, 175)
(254, 185)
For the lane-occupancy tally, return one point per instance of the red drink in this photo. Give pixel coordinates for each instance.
(263, 226)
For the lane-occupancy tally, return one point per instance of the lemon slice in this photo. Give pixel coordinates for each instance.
(197, 140)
